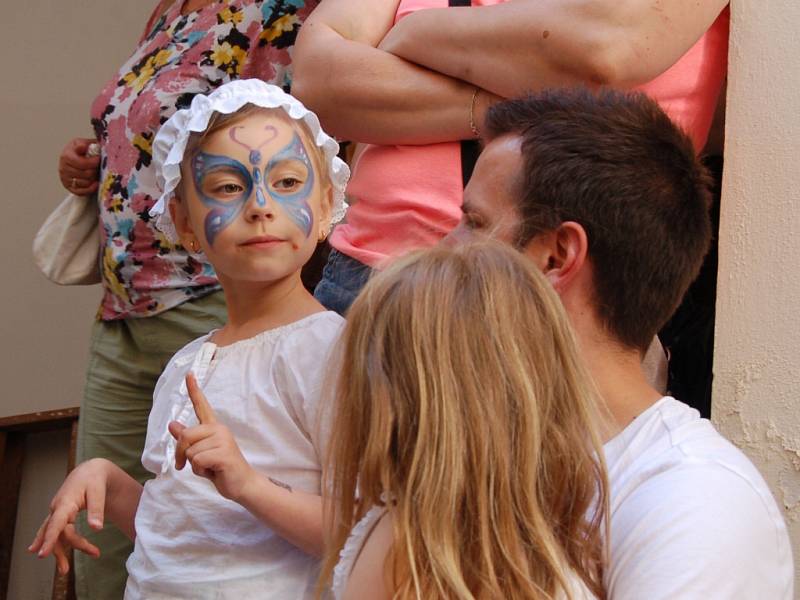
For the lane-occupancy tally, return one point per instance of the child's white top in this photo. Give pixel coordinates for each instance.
(191, 542)
(352, 548)
(361, 532)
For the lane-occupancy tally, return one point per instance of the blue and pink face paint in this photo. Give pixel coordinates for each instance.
(294, 203)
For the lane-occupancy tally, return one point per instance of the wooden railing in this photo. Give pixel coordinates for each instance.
(13, 433)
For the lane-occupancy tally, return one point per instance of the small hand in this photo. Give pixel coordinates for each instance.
(78, 169)
(84, 488)
(211, 448)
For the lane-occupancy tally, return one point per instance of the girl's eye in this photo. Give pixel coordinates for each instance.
(230, 189)
(287, 183)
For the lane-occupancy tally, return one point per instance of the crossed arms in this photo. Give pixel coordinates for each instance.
(411, 83)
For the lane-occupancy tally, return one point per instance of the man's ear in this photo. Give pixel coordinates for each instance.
(560, 253)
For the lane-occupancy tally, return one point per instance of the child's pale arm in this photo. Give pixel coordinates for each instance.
(214, 454)
(102, 489)
(292, 514)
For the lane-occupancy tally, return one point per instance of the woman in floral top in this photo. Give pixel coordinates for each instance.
(156, 296)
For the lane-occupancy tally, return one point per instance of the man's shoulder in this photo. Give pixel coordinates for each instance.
(669, 437)
(687, 506)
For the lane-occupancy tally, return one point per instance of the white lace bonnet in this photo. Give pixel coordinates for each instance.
(169, 144)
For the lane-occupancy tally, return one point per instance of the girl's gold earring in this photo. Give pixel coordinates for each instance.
(194, 246)
(323, 233)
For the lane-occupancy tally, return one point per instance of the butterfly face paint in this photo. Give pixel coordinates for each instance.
(295, 203)
(224, 210)
(255, 159)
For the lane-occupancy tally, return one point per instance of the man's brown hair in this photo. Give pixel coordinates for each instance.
(614, 163)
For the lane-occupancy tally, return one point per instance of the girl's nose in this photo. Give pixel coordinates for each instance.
(259, 206)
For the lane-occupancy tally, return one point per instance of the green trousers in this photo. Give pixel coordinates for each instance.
(125, 360)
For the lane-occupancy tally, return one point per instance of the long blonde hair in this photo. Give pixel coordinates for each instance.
(461, 398)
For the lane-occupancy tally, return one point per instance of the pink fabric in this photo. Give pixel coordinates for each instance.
(409, 197)
(688, 91)
(406, 197)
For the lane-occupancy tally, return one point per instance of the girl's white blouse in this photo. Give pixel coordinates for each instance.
(352, 548)
(191, 542)
(358, 538)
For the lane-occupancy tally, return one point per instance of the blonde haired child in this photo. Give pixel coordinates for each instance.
(465, 422)
(253, 183)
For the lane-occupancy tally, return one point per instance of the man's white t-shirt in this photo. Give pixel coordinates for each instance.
(691, 517)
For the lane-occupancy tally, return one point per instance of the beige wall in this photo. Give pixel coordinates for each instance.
(756, 359)
(58, 55)
(45, 465)
(61, 54)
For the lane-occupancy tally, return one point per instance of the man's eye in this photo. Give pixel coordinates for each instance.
(471, 221)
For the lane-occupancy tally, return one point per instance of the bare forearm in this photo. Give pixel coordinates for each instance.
(364, 94)
(294, 515)
(122, 499)
(523, 45)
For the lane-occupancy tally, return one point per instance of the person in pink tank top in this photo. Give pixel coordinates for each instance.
(410, 79)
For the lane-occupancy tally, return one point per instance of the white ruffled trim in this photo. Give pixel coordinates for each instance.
(351, 548)
(170, 141)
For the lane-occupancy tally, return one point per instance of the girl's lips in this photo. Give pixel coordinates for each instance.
(263, 240)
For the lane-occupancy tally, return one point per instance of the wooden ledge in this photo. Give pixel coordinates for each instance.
(40, 421)
(13, 432)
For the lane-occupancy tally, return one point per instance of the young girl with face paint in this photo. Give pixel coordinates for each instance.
(252, 183)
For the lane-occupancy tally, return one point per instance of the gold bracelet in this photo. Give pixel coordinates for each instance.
(473, 127)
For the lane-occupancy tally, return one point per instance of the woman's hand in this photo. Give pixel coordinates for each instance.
(211, 448)
(78, 170)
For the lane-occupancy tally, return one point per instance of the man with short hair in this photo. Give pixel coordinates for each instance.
(606, 196)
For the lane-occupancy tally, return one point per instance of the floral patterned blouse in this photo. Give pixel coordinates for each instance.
(178, 57)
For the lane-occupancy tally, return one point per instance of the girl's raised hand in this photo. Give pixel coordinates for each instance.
(211, 448)
(84, 489)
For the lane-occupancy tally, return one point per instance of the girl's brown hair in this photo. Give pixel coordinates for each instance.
(462, 400)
